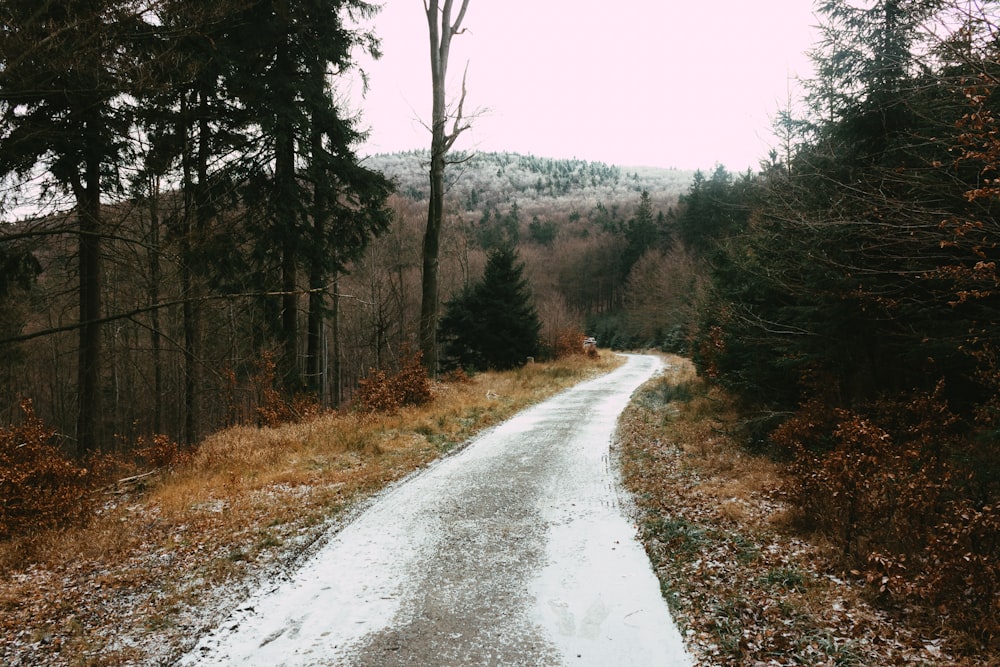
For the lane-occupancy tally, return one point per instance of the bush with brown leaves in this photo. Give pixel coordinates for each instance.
(162, 452)
(568, 343)
(381, 392)
(40, 488)
(892, 485)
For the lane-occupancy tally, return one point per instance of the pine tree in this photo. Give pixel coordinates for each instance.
(317, 205)
(493, 324)
(64, 112)
(640, 231)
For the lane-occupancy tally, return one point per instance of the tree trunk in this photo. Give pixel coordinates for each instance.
(314, 343)
(429, 305)
(194, 207)
(289, 314)
(336, 367)
(89, 369)
(285, 222)
(315, 380)
(289, 266)
(155, 338)
(441, 30)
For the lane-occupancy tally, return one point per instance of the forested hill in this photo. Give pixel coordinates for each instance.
(480, 180)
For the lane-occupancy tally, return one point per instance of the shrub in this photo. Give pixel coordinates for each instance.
(898, 488)
(568, 343)
(961, 570)
(40, 488)
(272, 405)
(381, 392)
(162, 452)
(457, 376)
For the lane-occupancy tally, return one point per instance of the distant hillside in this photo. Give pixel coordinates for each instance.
(481, 180)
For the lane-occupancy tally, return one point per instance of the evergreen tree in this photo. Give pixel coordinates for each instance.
(316, 205)
(542, 233)
(494, 323)
(243, 106)
(830, 275)
(64, 111)
(641, 232)
(712, 209)
(197, 127)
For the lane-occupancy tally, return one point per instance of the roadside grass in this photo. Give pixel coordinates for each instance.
(743, 586)
(140, 579)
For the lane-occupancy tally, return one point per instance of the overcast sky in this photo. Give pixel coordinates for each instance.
(670, 83)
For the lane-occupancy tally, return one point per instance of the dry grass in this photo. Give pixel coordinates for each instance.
(128, 587)
(744, 588)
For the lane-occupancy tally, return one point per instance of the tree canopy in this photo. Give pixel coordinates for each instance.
(221, 123)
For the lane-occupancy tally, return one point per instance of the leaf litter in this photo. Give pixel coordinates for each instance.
(743, 586)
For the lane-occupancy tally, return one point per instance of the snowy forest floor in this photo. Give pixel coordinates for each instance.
(169, 555)
(743, 586)
(161, 564)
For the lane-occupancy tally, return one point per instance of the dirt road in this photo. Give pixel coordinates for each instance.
(515, 551)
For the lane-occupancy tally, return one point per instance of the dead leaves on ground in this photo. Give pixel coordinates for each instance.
(743, 588)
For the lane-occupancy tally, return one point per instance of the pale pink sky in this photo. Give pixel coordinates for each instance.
(666, 83)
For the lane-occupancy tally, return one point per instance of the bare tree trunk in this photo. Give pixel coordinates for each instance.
(429, 305)
(290, 313)
(285, 220)
(336, 369)
(314, 334)
(441, 30)
(315, 369)
(88, 195)
(195, 209)
(155, 338)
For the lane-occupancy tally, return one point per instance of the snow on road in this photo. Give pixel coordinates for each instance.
(513, 552)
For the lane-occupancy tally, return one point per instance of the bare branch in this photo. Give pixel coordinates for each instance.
(456, 27)
(458, 127)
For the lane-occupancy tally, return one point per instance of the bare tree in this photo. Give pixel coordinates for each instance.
(442, 29)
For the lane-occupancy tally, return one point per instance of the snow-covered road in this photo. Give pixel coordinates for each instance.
(513, 552)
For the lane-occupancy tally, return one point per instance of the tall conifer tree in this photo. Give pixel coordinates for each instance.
(66, 67)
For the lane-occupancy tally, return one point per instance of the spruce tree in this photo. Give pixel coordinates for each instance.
(64, 114)
(493, 324)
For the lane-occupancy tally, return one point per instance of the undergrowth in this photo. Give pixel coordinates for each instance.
(747, 584)
(898, 487)
(40, 488)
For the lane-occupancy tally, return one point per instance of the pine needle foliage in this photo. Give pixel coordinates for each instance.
(492, 325)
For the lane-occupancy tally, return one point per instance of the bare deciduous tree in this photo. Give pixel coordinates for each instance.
(441, 29)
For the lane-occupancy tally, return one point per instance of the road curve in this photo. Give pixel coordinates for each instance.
(513, 552)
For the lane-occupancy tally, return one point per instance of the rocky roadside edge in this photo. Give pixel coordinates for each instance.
(744, 589)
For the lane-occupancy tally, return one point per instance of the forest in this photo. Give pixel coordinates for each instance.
(191, 241)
